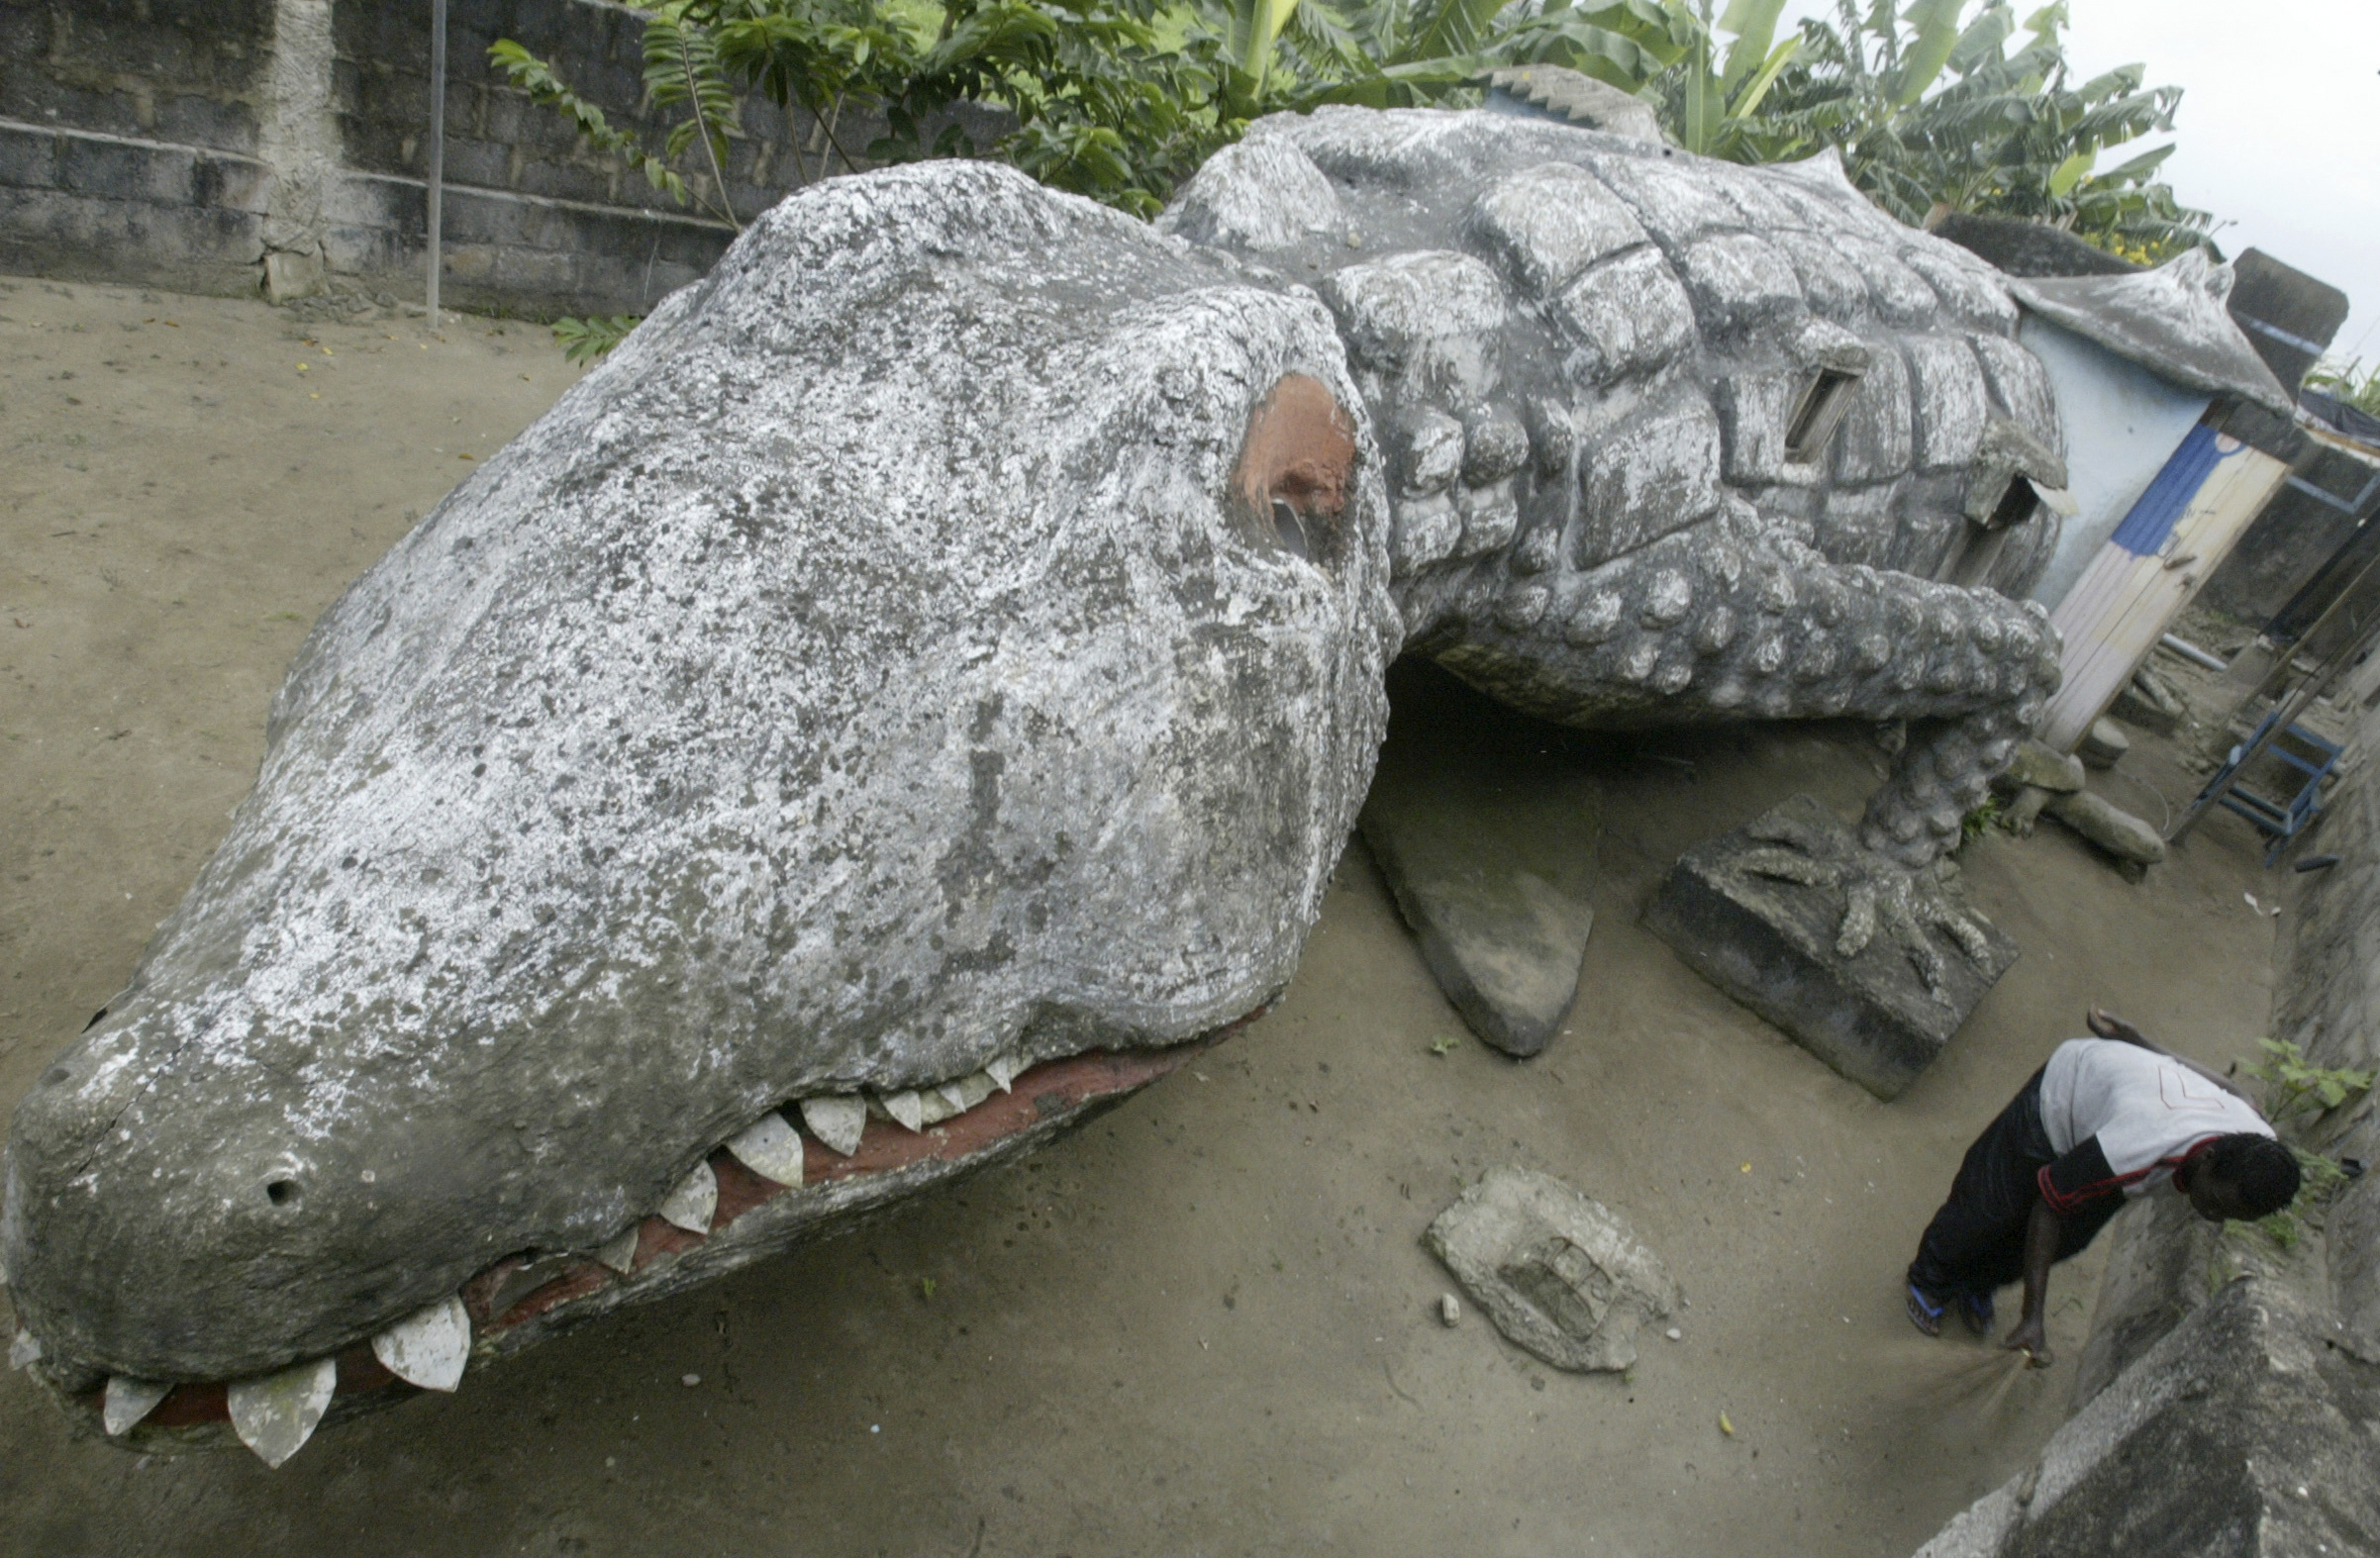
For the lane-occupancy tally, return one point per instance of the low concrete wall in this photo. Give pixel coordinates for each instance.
(2227, 1404)
(130, 135)
(222, 145)
(2297, 534)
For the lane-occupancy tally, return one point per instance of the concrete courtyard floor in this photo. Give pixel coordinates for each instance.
(1203, 1325)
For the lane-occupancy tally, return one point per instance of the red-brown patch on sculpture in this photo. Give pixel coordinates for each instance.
(1299, 450)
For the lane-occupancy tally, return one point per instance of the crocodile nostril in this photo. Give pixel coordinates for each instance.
(57, 1076)
(282, 1192)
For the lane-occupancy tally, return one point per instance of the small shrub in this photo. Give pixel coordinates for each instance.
(2292, 1087)
(586, 340)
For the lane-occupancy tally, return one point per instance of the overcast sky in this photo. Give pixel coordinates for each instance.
(2279, 128)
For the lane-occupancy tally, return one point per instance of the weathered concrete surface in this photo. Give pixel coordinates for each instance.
(2147, 703)
(2029, 248)
(2042, 767)
(222, 147)
(1485, 826)
(2326, 1000)
(2159, 1255)
(1771, 942)
(807, 688)
(2245, 1433)
(1585, 354)
(689, 760)
(1560, 1275)
(1580, 99)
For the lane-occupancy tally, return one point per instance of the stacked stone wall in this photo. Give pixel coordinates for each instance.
(223, 146)
(129, 133)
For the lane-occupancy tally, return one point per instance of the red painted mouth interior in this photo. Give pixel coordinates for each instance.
(1052, 1087)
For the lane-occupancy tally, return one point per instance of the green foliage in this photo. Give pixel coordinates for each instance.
(681, 69)
(1116, 99)
(2319, 1179)
(534, 78)
(1932, 110)
(2292, 1087)
(1981, 821)
(2355, 384)
(585, 340)
(1932, 115)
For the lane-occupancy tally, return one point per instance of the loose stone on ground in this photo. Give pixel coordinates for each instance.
(1486, 830)
(2042, 767)
(2103, 745)
(2111, 829)
(1559, 1273)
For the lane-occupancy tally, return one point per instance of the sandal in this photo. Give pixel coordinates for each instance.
(1923, 1313)
(1975, 1312)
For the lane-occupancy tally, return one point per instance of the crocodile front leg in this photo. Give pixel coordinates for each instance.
(1726, 621)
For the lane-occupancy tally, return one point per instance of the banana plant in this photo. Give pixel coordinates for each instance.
(1436, 54)
(1718, 101)
(1933, 114)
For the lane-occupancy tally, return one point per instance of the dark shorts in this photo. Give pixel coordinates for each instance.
(1976, 1242)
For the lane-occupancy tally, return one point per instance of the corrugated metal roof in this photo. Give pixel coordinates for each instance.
(2170, 321)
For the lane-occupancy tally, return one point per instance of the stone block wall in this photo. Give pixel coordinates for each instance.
(185, 74)
(130, 139)
(2327, 1000)
(223, 146)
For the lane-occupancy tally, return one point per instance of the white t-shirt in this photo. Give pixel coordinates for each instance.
(2142, 1112)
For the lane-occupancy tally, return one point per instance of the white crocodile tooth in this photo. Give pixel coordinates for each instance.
(955, 1096)
(128, 1401)
(972, 1089)
(770, 1148)
(24, 1351)
(933, 1107)
(427, 1347)
(1003, 1069)
(907, 1107)
(690, 1205)
(836, 1121)
(620, 1253)
(276, 1414)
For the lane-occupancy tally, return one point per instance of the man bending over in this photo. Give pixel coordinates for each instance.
(2108, 1117)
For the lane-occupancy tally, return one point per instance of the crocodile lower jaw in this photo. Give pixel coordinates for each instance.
(527, 1298)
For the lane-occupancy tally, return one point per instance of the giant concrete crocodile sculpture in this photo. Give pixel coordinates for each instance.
(916, 689)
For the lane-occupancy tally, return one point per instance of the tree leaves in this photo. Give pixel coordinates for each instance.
(1121, 99)
(1932, 115)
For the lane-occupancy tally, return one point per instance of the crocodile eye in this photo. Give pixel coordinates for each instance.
(1295, 466)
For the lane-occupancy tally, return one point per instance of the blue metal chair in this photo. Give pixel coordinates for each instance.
(2295, 748)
